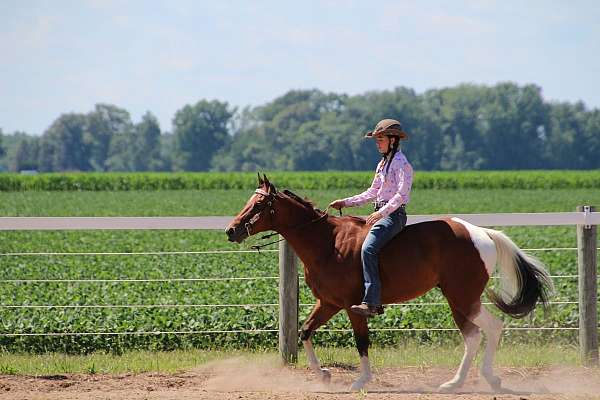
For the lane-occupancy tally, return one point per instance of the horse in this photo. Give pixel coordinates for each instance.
(451, 254)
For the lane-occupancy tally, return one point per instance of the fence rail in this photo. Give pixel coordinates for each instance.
(145, 223)
(66, 306)
(585, 218)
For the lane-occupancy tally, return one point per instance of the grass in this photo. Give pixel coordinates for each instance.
(229, 202)
(224, 202)
(130, 362)
(407, 355)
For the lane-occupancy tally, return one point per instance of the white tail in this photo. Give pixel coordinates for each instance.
(524, 279)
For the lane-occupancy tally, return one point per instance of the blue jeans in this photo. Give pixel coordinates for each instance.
(381, 233)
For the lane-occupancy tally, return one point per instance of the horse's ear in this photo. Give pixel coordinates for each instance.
(269, 185)
(260, 181)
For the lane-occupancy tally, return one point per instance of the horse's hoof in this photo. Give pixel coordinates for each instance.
(449, 387)
(494, 382)
(359, 384)
(325, 376)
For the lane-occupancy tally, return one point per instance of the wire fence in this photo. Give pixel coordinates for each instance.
(162, 253)
(345, 330)
(216, 279)
(258, 305)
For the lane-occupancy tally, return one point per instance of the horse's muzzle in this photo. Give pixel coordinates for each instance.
(236, 235)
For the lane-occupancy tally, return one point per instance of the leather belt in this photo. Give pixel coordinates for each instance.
(377, 205)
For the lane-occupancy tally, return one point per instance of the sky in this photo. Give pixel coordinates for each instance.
(61, 56)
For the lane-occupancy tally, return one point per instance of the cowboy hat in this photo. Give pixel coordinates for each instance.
(388, 127)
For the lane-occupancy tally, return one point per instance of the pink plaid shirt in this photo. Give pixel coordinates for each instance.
(393, 186)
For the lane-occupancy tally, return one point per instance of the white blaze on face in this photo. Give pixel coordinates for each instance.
(253, 199)
(483, 243)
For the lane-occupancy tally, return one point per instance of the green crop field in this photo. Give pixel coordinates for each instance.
(249, 304)
(297, 180)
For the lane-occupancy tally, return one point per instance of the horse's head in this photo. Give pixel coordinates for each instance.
(257, 214)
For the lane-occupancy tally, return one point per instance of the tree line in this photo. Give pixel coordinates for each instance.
(466, 127)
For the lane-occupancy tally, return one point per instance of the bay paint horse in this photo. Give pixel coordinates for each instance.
(449, 253)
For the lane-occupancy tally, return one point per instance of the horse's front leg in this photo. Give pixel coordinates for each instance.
(320, 314)
(361, 335)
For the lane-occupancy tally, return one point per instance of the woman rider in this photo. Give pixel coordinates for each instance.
(390, 192)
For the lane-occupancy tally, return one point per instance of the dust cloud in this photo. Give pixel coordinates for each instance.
(267, 374)
(263, 374)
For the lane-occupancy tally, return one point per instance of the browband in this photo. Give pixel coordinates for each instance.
(260, 191)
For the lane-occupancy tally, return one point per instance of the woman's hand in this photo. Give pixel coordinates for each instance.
(337, 204)
(376, 216)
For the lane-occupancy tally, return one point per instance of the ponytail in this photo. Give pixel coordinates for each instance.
(392, 152)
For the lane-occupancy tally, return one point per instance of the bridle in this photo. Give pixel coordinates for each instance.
(268, 205)
(269, 200)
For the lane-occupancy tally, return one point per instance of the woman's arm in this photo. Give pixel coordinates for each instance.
(366, 196)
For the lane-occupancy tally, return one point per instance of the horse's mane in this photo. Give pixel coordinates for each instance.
(304, 202)
(311, 205)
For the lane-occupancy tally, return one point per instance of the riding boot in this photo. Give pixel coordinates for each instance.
(367, 310)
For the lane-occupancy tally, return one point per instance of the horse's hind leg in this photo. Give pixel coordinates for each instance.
(469, 328)
(492, 327)
(472, 338)
(320, 314)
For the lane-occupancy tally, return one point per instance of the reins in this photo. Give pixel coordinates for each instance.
(269, 203)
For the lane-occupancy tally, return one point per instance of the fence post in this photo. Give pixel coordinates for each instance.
(588, 290)
(288, 303)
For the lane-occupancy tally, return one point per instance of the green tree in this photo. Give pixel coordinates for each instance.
(591, 136)
(362, 113)
(309, 149)
(249, 150)
(145, 146)
(338, 132)
(26, 155)
(166, 152)
(104, 123)
(454, 113)
(287, 134)
(512, 119)
(2, 150)
(3, 158)
(137, 148)
(63, 147)
(573, 137)
(200, 131)
(119, 152)
(455, 157)
(506, 126)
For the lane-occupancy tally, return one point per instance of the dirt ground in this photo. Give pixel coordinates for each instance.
(232, 379)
